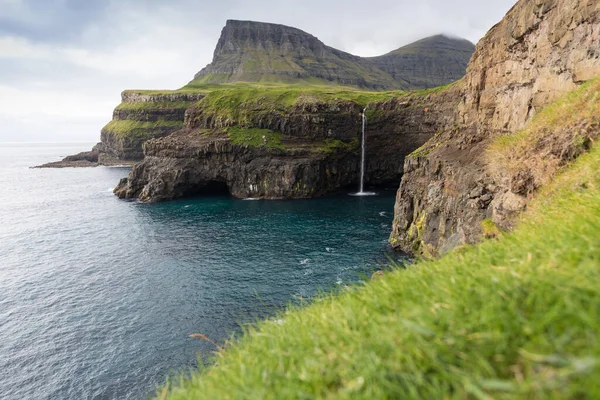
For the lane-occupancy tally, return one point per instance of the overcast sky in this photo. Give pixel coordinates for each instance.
(64, 63)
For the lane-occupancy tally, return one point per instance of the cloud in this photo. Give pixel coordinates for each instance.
(50, 21)
(20, 48)
(76, 105)
(65, 62)
(34, 128)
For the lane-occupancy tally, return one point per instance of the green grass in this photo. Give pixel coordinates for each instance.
(285, 96)
(516, 317)
(490, 229)
(140, 129)
(558, 134)
(244, 104)
(241, 103)
(253, 90)
(334, 145)
(321, 89)
(183, 90)
(435, 90)
(150, 106)
(255, 137)
(580, 104)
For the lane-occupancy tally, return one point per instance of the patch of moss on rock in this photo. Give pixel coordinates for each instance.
(140, 129)
(255, 137)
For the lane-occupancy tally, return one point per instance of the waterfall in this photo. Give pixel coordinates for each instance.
(363, 152)
(363, 158)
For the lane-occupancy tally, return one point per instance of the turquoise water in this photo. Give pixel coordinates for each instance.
(98, 296)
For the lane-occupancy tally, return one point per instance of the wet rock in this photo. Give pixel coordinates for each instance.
(81, 160)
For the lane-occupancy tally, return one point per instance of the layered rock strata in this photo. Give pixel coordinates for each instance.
(541, 50)
(141, 116)
(430, 62)
(317, 151)
(249, 51)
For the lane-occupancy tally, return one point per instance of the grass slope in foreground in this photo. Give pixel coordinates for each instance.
(516, 317)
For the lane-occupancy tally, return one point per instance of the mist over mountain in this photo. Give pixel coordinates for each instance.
(250, 51)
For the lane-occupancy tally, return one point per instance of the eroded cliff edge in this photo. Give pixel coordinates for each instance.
(141, 116)
(268, 55)
(541, 50)
(287, 143)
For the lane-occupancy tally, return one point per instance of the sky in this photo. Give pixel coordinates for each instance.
(64, 63)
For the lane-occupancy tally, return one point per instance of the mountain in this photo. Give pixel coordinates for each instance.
(433, 61)
(250, 51)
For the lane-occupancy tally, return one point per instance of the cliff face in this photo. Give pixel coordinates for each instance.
(141, 117)
(191, 163)
(541, 50)
(538, 52)
(253, 51)
(260, 52)
(306, 149)
(250, 52)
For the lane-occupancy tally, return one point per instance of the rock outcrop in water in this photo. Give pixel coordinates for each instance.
(538, 52)
(81, 160)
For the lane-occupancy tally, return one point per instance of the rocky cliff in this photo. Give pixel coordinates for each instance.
(251, 53)
(259, 52)
(452, 187)
(141, 116)
(290, 144)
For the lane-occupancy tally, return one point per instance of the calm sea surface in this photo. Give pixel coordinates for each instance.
(98, 295)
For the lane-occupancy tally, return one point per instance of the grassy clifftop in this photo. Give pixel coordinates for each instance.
(514, 317)
(274, 91)
(233, 104)
(310, 111)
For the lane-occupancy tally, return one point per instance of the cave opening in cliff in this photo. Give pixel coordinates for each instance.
(211, 188)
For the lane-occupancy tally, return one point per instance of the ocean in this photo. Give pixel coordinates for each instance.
(98, 296)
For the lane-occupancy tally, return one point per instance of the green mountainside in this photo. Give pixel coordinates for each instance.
(433, 61)
(250, 51)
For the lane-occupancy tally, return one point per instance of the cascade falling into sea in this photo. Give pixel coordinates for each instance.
(363, 156)
(363, 151)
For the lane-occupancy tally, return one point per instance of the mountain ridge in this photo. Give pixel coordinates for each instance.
(249, 51)
(407, 62)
